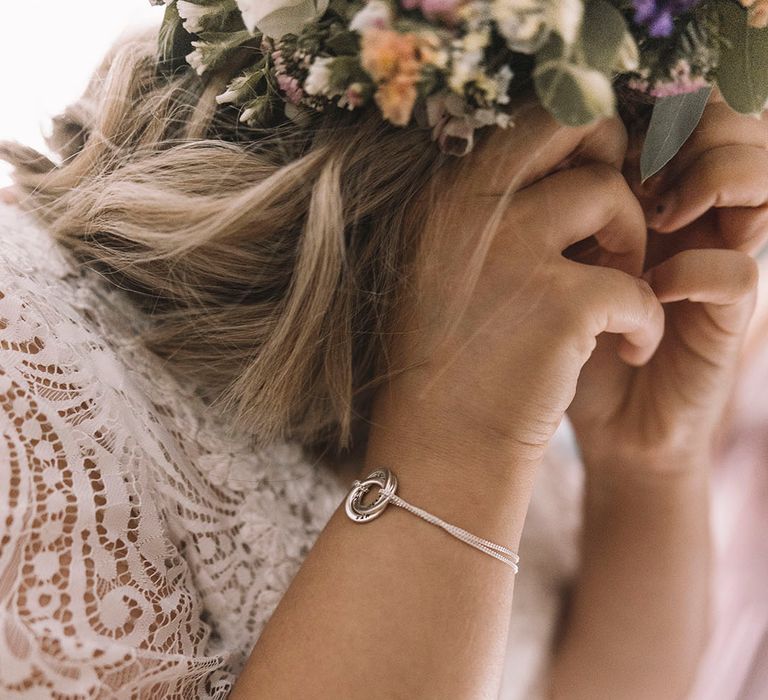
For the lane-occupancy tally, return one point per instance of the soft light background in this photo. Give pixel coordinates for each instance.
(48, 50)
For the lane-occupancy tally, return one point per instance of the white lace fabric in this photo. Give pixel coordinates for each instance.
(142, 549)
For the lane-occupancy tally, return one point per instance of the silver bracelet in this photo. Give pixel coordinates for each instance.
(387, 482)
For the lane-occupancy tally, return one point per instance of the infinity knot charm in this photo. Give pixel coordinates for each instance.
(387, 483)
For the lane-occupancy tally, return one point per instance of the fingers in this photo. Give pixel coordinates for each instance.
(616, 302)
(720, 126)
(727, 176)
(573, 204)
(725, 280)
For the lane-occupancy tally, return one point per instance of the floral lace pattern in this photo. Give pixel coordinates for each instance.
(142, 549)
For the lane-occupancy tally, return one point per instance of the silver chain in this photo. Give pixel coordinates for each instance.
(387, 482)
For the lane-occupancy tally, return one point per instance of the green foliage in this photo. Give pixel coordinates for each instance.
(672, 122)
(174, 43)
(742, 75)
(574, 82)
(605, 50)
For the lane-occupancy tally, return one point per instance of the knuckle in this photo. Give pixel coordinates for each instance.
(566, 300)
(612, 131)
(749, 276)
(709, 172)
(649, 302)
(608, 181)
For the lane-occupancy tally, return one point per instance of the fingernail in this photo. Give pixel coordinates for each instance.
(663, 209)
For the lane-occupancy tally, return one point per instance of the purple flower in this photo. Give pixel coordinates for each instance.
(659, 15)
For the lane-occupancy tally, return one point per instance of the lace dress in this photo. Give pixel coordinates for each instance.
(142, 549)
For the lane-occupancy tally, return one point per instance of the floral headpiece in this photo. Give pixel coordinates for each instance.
(454, 65)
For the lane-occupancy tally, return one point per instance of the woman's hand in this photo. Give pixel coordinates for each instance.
(714, 193)
(709, 209)
(506, 370)
(668, 409)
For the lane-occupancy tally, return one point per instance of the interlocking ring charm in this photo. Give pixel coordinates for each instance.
(360, 513)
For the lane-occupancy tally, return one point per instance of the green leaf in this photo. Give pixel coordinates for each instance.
(344, 43)
(574, 94)
(672, 122)
(174, 43)
(345, 70)
(603, 48)
(742, 75)
(215, 48)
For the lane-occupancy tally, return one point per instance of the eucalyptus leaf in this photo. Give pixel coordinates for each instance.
(742, 75)
(602, 48)
(574, 94)
(276, 18)
(672, 122)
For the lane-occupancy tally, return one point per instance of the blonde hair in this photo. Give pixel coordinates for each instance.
(269, 261)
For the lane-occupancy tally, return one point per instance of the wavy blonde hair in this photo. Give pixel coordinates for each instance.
(269, 261)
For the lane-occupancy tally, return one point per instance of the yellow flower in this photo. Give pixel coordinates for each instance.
(394, 60)
(396, 99)
(386, 53)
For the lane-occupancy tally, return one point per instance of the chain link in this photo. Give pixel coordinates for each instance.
(387, 481)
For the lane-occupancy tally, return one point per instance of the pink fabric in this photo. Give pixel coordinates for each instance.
(735, 666)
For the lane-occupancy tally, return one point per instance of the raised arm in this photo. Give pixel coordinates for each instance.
(397, 607)
(639, 615)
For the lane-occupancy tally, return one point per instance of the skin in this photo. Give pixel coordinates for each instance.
(395, 605)
(644, 400)
(639, 610)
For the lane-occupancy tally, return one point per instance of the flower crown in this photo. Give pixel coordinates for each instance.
(454, 65)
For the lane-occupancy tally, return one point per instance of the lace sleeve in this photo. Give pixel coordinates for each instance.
(95, 600)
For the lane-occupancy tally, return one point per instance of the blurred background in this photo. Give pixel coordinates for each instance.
(48, 50)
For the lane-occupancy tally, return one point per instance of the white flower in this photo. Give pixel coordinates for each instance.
(376, 14)
(466, 68)
(234, 90)
(192, 13)
(274, 18)
(503, 78)
(230, 95)
(475, 40)
(318, 81)
(564, 16)
(526, 24)
(628, 58)
(598, 91)
(248, 114)
(195, 59)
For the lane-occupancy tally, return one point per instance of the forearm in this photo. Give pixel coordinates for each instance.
(396, 607)
(639, 614)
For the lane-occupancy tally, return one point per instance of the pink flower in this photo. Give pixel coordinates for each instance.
(682, 82)
(353, 97)
(290, 86)
(434, 9)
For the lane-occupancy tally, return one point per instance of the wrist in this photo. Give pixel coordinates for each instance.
(460, 475)
(423, 428)
(607, 486)
(660, 464)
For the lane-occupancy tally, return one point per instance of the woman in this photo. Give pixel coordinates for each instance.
(340, 279)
